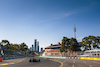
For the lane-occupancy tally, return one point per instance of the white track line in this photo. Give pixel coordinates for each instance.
(73, 66)
(84, 61)
(64, 61)
(90, 65)
(95, 62)
(74, 61)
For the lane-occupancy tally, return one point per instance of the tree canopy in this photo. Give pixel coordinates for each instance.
(6, 44)
(73, 44)
(22, 46)
(89, 41)
(70, 44)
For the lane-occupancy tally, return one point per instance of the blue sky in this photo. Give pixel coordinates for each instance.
(48, 20)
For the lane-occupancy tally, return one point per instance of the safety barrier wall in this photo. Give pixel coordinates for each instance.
(86, 58)
(5, 58)
(61, 57)
(89, 58)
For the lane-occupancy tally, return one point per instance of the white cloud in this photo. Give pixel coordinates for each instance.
(67, 14)
(70, 13)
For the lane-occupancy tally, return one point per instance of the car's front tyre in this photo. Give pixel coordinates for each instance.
(30, 60)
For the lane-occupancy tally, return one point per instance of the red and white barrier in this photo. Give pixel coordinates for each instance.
(72, 57)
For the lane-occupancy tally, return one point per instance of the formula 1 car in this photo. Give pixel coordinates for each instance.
(34, 60)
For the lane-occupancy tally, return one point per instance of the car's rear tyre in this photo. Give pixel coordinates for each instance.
(39, 59)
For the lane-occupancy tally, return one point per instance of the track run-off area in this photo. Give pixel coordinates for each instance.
(49, 62)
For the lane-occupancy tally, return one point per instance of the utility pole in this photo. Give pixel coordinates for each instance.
(74, 31)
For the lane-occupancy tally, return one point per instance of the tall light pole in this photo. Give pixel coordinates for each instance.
(74, 31)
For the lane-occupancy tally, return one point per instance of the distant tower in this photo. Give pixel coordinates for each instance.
(38, 48)
(74, 31)
(32, 47)
(41, 49)
(35, 44)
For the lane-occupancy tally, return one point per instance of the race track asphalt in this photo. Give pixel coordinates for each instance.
(42, 63)
(48, 62)
(79, 63)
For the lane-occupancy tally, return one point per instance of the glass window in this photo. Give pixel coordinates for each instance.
(52, 53)
(56, 53)
(87, 52)
(45, 53)
(48, 53)
(98, 51)
(93, 52)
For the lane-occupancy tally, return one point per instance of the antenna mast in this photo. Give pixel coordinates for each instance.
(74, 31)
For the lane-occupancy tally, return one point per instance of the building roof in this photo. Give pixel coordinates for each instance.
(55, 46)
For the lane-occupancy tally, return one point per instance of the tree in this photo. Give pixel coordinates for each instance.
(65, 44)
(31, 52)
(73, 44)
(89, 41)
(1, 46)
(6, 44)
(97, 41)
(70, 44)
(22, 46)
(15, 47)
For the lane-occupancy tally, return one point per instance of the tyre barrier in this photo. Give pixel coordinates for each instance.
(11, 57)
(16, 57)
(3, 58)
(20, 56)
(6, 58)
